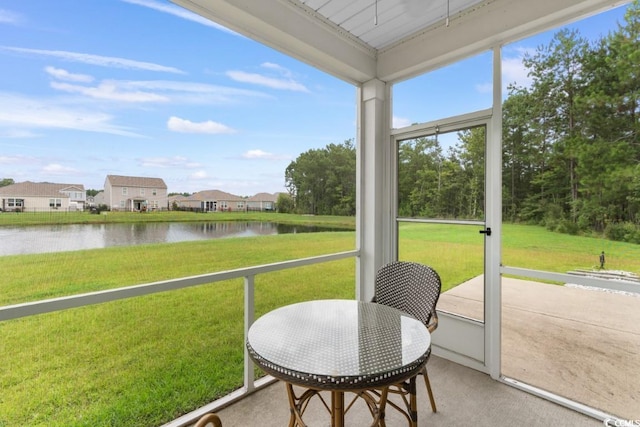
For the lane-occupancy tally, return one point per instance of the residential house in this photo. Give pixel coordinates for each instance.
(132, 193)
(42, 196)
(97, 200)
(263, 202)
(175, 201)
(214, 201)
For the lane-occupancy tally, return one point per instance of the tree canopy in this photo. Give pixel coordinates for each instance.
(571, 140)
(6, 181)
(323, 181)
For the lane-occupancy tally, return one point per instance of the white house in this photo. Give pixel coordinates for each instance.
(42, 196)
(214, 201)
(132, 193)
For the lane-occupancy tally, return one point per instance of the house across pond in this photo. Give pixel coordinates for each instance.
(126, 194)
(220, 201)
(135, 194)
(42, 197)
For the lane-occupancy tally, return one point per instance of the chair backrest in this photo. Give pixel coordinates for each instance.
(408, 286)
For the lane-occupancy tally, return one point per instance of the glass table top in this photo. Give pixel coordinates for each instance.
(338, 341)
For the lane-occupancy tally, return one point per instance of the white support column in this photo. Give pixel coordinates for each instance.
(372, 192)
(493, 254)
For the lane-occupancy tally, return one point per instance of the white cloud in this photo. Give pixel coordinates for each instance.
(159, 91)
(283, 83)
(8, 17)
(192, 93)
(58, 169)
(14, 160)
(277, 67)
(177, 124)
(180, 12)
(259, 154)
(21, 112)
(400, 122)
(102, 61)
(199, 175)
(109, 91)
(18, 133)
(169, 162)
(256, 154)
(61, 74)
(513, 70)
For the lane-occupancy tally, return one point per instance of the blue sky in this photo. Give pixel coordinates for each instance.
(145, 88)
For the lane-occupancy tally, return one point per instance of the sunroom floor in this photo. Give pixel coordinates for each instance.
(464, 397)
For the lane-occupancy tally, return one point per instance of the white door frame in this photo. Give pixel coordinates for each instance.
(469, 342)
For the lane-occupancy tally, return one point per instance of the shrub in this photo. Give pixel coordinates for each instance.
(623, 232)
(568, 227)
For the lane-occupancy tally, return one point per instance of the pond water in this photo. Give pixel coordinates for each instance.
(58, 238)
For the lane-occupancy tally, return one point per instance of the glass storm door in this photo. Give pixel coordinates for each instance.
(441, 221)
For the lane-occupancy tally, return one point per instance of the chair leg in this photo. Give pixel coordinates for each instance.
(428, 384)
(413, 402)
(209, 419)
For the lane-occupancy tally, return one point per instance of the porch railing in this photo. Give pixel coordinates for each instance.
(250, 384)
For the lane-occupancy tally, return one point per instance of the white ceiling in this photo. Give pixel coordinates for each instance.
(380, 23)
(407, 38)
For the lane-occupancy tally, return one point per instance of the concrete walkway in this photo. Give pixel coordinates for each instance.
(579, 343)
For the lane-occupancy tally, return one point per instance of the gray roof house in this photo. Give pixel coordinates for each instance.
(98, 199)
(213, 201)
(42, 196)
(175, 201)
(132, 193)
(262, 202)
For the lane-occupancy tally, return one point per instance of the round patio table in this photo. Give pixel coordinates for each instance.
(340, 346)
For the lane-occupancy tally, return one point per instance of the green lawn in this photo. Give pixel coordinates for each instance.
(456, 251)
(147, 360)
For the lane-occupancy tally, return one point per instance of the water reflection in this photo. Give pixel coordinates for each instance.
(58, 238)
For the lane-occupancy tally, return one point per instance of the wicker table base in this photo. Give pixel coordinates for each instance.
(375, 401)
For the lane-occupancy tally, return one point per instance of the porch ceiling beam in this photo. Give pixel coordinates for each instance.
(492, 23)
(295, 30)
(291, 27)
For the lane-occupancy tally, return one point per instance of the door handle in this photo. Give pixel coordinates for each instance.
(487, 231)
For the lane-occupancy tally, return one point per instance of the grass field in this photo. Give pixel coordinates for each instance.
(456, 251)
(147, 360)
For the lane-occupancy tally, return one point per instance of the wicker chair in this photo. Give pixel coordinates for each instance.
(413, 288)
(209, 419)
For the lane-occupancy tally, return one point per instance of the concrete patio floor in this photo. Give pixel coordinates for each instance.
(464, 397)
(576, 342)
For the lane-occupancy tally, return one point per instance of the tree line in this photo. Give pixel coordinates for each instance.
(571, 140)
(322, 181)
(6, 181)
(571, 148)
